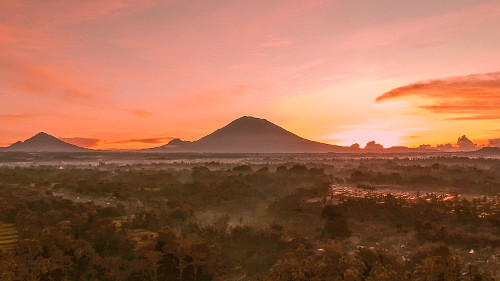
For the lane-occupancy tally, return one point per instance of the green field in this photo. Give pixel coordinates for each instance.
(8, 236)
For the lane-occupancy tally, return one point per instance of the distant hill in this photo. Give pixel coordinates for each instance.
(487, 151)
(250, 135)
(43, 142)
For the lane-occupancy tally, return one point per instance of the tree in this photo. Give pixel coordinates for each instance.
(153, 258)
(335, 222)
(435, 263)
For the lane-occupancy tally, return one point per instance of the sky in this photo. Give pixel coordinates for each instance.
(127, 74)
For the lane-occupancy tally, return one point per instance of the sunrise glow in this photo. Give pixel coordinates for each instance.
(129, 74)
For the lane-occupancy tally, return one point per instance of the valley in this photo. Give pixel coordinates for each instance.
(249, 216)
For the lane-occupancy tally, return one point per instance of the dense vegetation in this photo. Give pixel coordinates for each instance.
(321, 220)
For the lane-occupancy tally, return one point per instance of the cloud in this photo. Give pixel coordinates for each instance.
(106, 144)
(8, 34)
(465, 144)
(424, 146)
(215, 96)
(43, 80)
(275, 42)
(141, 113)
(159, 140)
(474, 97)
(83, 142)
(47, 81)
(355, 145)
(446, 147)
(373, 145)
(16, 117)
(424, 32)
(494, 142)
(479, 86)
(67, 11)
(478, 117)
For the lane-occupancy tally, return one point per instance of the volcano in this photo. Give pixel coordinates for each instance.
(249, 135)
(43, 142)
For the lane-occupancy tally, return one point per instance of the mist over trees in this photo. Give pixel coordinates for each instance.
(325, 218)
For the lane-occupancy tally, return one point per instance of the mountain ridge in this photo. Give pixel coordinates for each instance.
(43, 142)
(246, 134)
(249, 134)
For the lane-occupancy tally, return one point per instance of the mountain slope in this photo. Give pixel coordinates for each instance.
(249, 135)
(43, 142)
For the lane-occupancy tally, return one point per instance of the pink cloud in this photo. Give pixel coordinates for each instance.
(494, 142)
(216, 96)
(16, 117)
(275, 42)
(141, 113)
(48, 82)
(159, 140)
(101, 143)
(475, 96)
(83, 142)
(44, 81)
(67, 11)
(423, 32)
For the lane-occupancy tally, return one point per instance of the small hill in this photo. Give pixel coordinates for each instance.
(485, 151)
(249, 135)
(43, 142)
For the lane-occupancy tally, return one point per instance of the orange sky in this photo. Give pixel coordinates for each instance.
(137, 73)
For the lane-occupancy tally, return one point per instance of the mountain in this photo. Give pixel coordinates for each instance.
(487, 151)
(43, 142)
(249, 135)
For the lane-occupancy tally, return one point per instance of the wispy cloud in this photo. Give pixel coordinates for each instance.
(83, 142)
(42, 80)
(116, 144)
(275, 42)
(49, 82)
(478, 117)
(424, 32)
(67, 11)
(216, 96)
(474, 97)
(140, 113)
(146, 140)
(16, 117)
(494, 142)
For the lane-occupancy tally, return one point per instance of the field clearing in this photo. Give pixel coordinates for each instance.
(118, 221)
(8, 236)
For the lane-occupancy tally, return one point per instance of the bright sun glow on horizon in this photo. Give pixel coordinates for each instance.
(363, 134)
